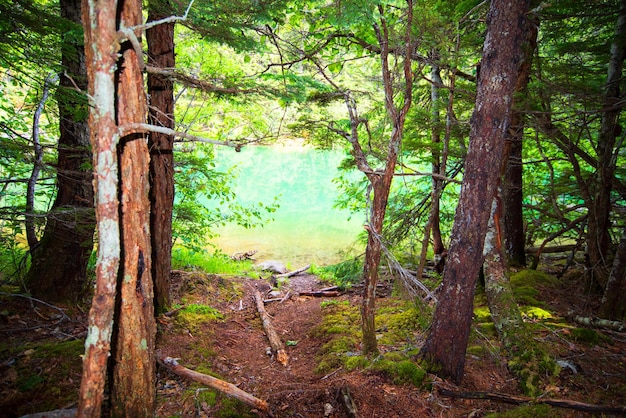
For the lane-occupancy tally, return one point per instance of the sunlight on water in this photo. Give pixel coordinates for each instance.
(306, 227)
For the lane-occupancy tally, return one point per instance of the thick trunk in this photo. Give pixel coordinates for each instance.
(598, 238)
(161, 92)
(133, 390)
(59, 263)
(447, 341)
(613, 304)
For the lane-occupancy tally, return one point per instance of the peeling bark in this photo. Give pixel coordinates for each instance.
(133, 386)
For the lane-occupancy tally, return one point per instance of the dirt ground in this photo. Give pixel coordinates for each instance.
(234, 348)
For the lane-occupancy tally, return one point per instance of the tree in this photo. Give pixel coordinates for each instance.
(59, 261)
(123, 295)
(447, 340)
(160, 40)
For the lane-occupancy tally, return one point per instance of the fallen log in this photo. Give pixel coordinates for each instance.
(321, 293)
(275, 343)
(601, 323)
(295, 272)
(518, 400)
(218, 384)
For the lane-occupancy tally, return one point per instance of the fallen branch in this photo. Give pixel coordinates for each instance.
(601, 323)
(348, 402)
(295, 272)
(275, 343)
(517, 400)
(321, 293)
(224, 387)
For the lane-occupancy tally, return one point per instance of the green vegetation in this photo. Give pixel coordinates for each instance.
(215, 263)
(526, 411)
(590, 336)
(343, 274)
(193, 316)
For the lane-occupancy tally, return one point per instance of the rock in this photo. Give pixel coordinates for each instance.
(273, 266)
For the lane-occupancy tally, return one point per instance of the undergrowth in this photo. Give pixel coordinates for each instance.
(215, 263)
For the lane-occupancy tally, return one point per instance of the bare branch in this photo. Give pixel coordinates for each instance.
(131, 128)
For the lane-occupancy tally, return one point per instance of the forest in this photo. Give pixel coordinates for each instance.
(483, 149)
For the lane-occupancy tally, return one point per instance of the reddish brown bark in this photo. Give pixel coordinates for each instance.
(598, 238)
(512, 193)
(58, 269)
(380, 180)
(101, 54)
(133, 386)
(161, 113)
(447, 341)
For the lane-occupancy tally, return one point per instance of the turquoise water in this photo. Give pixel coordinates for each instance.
(306, 228)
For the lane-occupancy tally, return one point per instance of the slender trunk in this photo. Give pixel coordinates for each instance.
(99, 24)
(447, 341)
(598, 238)
(59, 263)
(381, 180)
(613, 304)
(161, 92)
(133, 384)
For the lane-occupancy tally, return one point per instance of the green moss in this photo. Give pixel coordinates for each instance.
(536, 312)
(476, 350)
(482, 314)
(356, 362)
(400, 369)
(193, 315)
(532, 278)
(67, 349)
(590, 336)
(526, 295)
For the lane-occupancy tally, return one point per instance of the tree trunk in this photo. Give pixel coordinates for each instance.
(161, 113)
(133, 385)
(58, 270)
(513, 225)
(381, 179)
(99, 25)
(521, 351)
(613, 304)
(447, 341)
(598, 239)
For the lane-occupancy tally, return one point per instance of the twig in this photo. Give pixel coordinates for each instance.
(516, 400)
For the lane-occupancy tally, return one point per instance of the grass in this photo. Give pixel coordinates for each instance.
(215, 263)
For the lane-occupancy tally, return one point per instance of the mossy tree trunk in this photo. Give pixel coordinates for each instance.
(613, 304)
(523, 353)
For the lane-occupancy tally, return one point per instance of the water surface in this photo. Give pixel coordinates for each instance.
(306, 227)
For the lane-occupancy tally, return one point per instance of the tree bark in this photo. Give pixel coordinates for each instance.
(272, 336)
(598, 238)
(161, 113)
(513, 219)
(58, 271)
(133, 384)
(447, 341)
(381, 180)
(224, 387)
(613, 304)
(101, 55)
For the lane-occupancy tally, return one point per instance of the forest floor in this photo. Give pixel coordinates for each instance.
(217, 331)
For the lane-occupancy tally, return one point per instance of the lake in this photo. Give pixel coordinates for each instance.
(306, 228)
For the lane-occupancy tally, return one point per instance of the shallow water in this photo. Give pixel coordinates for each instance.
(306, 227)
